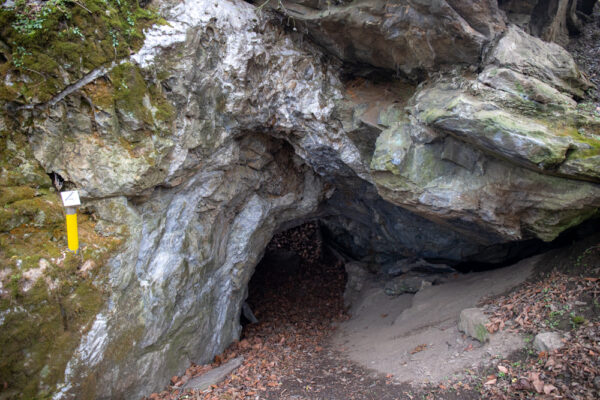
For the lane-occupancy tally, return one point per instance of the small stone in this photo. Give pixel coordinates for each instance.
(597, 382)
(548, 341)
(472, 321)
(213, 376)
(402, 284)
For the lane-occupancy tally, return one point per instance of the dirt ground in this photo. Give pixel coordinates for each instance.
(385, 332)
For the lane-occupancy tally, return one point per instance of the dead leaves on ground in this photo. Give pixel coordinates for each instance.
(418, 349)
(566, 373)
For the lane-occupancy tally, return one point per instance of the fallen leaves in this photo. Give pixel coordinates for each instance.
(536, 307)
(295, 309)
(418, 349)
(491, 381)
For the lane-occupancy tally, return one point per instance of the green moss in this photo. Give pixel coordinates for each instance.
(433, 114)
(481, 333)
(54, 313)
(135, 97)
(45, 42)
(14, 193)
(43, 321)
(129, 91)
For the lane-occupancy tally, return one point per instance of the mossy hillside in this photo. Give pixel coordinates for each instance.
(43, 325)
(51, 44)
(43, 315)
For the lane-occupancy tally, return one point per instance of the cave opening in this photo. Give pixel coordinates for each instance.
(302, 278)
(299, 282)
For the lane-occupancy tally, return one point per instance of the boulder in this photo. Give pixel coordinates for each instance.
(472, 321)
(504, 136)
(401, 35)
(548, 341)
(406, 284)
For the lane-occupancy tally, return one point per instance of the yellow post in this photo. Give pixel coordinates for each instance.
(72, 234)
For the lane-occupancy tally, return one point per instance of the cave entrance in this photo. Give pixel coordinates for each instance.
(298, 283)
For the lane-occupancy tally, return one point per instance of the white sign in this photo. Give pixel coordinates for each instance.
(70, 199)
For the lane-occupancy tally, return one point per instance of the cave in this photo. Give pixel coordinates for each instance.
(279, 165)
(298, 277)
(302, 273)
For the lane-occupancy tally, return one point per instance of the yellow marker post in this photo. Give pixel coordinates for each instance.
(71, 201)
(72, 234)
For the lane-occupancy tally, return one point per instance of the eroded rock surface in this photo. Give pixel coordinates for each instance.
(224, 127)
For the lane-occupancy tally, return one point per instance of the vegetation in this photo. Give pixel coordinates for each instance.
(49, 45)
(48, 296)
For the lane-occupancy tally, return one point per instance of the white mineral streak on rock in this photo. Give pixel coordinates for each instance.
(93, 345)
(228, 15)
(89, 353)
(245, 225)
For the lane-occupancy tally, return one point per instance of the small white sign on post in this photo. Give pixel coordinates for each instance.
(70, 199)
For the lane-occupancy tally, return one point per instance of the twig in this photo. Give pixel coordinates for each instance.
(81, 5)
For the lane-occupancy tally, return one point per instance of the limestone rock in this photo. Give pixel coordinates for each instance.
(419, 265)
(548, 341)
(405, 35)
(357, 277)
(534, 57)
(507, 134)
(237, 128)
(406, 284)
(472, 321)
(214, 376)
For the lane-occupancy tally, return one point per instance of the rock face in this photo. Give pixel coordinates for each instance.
(223, 128)
(401, 35)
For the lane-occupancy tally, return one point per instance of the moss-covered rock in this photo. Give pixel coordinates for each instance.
(52, 44)
(47, 301)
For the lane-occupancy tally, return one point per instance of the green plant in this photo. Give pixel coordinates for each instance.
(17, 57)
(577, 320)
(31, 16)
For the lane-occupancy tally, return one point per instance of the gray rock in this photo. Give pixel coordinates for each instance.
(404, 35)
(248, 314)
(264, 134)
(548, 341)
(357, 277)
(548, 62)
(213, 376)
(406, 284)
(472, 321)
